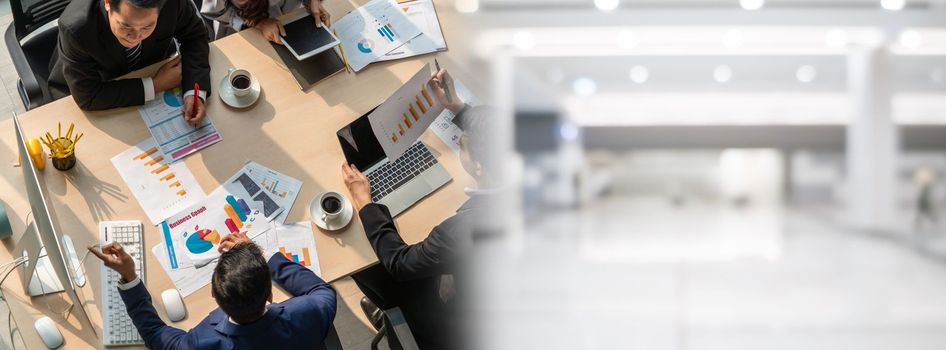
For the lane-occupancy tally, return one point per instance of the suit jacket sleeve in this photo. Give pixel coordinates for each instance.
(313, 299)
(195, 48)
(406, 262)
(86, 85)
(156, 334)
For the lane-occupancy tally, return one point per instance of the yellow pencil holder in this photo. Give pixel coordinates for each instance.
(67, 161)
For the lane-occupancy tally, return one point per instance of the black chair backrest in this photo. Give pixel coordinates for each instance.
(29, 15)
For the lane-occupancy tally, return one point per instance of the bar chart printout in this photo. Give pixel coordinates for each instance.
(297, 243)
(161, 187)
(404, 116)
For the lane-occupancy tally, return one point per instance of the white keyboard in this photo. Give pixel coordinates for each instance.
(118, 328)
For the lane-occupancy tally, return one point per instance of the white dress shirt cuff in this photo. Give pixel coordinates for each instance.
(200, 93)
(126, 286)
(149, 88)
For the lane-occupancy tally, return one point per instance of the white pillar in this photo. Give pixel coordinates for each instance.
(872, 142)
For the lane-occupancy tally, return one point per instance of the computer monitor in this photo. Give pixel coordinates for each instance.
(53, 265)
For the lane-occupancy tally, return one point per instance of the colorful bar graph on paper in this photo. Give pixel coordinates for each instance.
(399, 126)
(304, 260)
(423, 109)
(175, 184)
(167, 177)
(159, 170)
(154, 161)
(231, 225)
(236, 210)
(393, 138)
(430, 101)
(147, 153)
(408, 121)
(181, 193)
(414, 113)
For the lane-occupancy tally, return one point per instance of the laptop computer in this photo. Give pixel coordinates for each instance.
(399, 183)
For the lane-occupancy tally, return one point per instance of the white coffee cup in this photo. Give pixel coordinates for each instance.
(240, 81)
(331, 205)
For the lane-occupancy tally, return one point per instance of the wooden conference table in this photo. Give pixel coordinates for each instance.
(289, 130)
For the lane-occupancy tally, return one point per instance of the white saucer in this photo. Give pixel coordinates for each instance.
(227, 96)
(338, 223)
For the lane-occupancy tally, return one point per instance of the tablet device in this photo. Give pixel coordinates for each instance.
(305, 40)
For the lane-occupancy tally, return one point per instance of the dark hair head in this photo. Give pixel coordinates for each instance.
(241, 283)
(478, 125)
(251, 11)
(141, 4)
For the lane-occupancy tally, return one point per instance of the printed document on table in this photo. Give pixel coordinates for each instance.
(174, 136)
(297, 243)
(404, 116)
(192, 236)
(424, 16)
(282, 188)
(371, 31)
(243, 186)
(162, 188)
(444, 128)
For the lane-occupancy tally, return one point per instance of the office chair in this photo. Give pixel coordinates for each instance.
(387, 323)
(31, 56)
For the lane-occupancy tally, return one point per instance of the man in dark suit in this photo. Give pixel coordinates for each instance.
(241, 286)
(419, 278)
(101, 40)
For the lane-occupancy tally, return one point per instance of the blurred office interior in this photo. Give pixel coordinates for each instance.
(717, 174)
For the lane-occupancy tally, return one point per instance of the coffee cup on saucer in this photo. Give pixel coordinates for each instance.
(239, 88)
(331, 211)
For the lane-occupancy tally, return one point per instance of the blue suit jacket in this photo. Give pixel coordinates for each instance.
(301, 322)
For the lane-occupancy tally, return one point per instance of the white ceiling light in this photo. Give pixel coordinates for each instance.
(568, 131)
(806, 74)
(722, 74)
(466, 6)
(893, 5)
(584, 87)
(751, 5)
(607, 5)
(910, 39)
(733, 38)
(627, 39)
(836, 38)
(524, 40)
(639, 74)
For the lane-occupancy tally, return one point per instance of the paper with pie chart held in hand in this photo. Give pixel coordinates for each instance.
(192, 236)
(371, 31)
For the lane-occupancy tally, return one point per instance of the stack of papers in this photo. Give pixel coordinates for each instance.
(176, 139)
(191, 237)
(384, 30)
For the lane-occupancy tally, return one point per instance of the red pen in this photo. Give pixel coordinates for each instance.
(195, 100)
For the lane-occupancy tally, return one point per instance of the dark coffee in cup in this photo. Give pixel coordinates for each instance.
(240, 82)
(331, 205)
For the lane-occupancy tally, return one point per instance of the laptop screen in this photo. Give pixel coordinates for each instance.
(360, 146)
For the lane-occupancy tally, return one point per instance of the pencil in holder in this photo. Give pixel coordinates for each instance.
(65, 160)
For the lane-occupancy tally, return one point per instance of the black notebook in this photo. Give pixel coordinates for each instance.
(313, 69)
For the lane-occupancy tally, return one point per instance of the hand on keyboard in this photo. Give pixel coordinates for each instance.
(115, 257)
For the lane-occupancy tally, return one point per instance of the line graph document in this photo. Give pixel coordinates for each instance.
(404, 116)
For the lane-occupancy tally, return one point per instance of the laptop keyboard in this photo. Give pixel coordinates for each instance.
(392, 175)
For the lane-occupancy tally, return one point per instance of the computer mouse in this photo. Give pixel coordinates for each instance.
(48, 332)
(173, 305)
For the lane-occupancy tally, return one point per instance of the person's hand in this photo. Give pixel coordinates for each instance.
(115, 257)
(168, 76)
(358, 185)
(232, 240)
(188, 109)
(320, 14)
(271, 29)
(439, 84)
